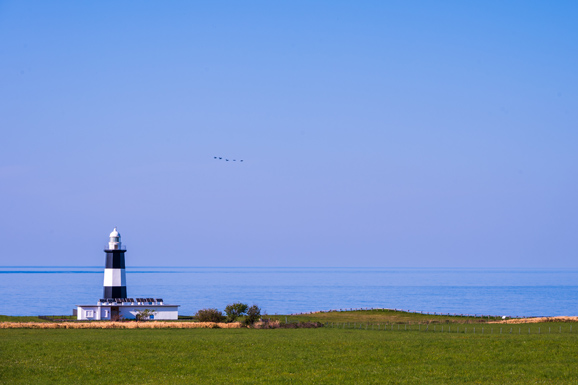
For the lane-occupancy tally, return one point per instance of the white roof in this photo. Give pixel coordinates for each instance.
(114, 233)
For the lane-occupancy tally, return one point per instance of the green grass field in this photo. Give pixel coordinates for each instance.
(280, 356)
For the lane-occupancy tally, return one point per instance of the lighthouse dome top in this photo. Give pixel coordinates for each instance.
(114, 233)
(114, 240)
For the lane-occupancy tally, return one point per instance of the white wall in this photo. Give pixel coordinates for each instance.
(161, 312)
(83, 313)
(127, 312)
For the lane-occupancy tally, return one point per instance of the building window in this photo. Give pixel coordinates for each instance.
(90, 313)
(105, 313)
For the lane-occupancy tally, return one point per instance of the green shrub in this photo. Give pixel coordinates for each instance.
(209, 315)
(235, 310)
(144, 315)
(253, 315)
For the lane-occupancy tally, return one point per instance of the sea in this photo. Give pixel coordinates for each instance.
(42, 290)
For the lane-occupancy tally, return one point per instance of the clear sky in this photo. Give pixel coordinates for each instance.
(372, 133)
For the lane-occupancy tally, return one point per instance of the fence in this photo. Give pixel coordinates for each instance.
(56, 318)
(456, 328)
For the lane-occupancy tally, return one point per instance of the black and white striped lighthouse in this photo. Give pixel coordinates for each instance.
(114, 274)
(114, 304)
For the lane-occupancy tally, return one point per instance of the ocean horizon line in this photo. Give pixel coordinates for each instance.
(298, 267)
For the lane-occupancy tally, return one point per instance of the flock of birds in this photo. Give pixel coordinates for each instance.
(221, 158)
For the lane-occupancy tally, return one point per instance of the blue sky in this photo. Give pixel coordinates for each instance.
(373, 133)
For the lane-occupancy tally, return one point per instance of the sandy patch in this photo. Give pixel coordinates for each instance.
(535, 320)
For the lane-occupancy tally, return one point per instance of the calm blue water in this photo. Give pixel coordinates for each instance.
(516, 292)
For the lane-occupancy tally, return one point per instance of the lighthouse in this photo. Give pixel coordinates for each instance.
(114, 274)
(114, 304)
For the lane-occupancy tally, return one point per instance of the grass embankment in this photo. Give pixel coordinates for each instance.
(299, 356)
(382, 316)
(392, 320)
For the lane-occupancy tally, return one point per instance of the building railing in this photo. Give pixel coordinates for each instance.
(121, 247)
(131, 301)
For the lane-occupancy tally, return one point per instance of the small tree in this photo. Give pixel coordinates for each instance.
(253, 315)
(209, 315)
(145, 314)
(235, 310)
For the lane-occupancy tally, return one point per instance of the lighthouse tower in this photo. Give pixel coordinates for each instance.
(114, 274)
(114, 304)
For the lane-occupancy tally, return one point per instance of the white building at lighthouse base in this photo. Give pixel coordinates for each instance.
(127, 309)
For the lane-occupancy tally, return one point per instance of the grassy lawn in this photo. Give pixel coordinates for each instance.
(296, 356)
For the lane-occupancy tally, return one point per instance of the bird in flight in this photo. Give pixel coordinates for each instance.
(226, 159)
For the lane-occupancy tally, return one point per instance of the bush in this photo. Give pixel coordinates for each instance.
(253, 315)
(209, 315)
(145, 314)
(235, 310)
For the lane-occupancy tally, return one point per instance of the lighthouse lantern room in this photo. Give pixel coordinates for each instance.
(115, 305)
